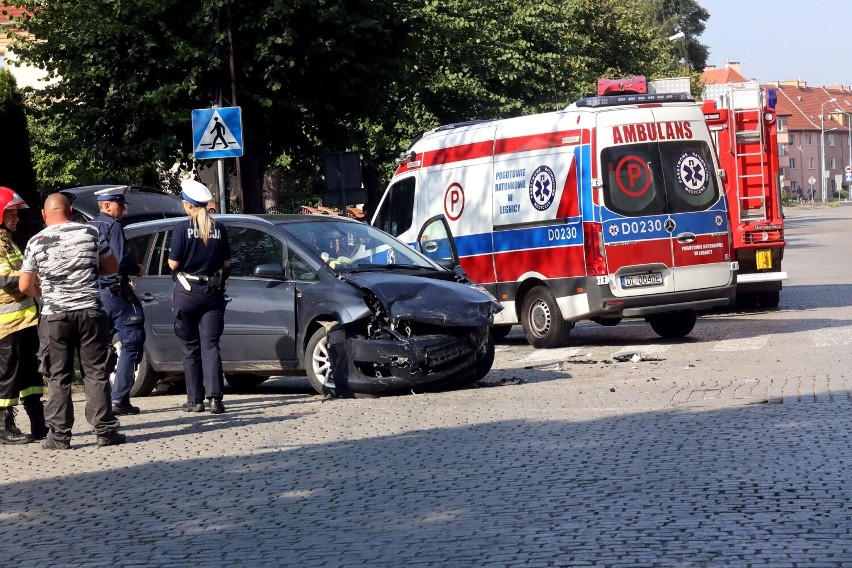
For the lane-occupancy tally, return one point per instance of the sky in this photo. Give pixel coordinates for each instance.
(779, 40)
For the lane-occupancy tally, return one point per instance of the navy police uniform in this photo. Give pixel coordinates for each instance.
(120, 303)
(199, 298)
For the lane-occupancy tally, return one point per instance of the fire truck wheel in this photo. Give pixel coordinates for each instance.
(673, 324)
(542, 319)
(769, 299)
(746, 300)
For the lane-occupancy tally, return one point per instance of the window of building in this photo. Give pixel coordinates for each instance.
(792, 163)
(810, 163)
(781, 124)
(809, 139)
(792, 139)
(831, 139)
(782, 149)
(831, 164)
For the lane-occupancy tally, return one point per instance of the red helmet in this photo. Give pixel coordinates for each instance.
(10, 200)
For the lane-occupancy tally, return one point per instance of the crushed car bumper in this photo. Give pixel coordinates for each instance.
(385, 365)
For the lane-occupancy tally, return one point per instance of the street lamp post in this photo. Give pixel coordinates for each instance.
(822, 176)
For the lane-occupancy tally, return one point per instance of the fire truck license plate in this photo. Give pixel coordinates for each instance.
(651, 279)
(764, 259)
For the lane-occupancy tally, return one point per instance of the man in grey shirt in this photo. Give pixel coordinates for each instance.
(61, 264)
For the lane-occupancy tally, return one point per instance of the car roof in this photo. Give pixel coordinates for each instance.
(143, 202)
(269, 218)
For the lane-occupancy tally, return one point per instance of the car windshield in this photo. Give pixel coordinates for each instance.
(347, 245)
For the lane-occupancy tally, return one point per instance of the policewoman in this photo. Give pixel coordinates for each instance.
(200, 259)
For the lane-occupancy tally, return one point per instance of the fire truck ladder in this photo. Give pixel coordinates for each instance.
(750, 163)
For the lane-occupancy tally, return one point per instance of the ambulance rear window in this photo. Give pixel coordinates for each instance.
(658, 178)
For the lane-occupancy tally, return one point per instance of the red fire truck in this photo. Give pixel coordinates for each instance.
(742, 119)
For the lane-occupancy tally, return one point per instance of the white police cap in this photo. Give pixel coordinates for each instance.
(116, 193)
(194, 192)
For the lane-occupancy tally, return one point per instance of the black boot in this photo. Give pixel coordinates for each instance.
(35, 412)
(10, 433)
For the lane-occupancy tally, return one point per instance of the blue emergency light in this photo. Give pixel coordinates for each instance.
(596, 102)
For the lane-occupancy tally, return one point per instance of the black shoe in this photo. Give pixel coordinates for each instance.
(9, 433)
(120, 409)
(193, 407)
(114, 438)
(51, 443)
(216, 406)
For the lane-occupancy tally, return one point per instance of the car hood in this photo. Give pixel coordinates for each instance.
(428, 300)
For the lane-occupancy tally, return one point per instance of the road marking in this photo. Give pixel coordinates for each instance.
(832, 336)
(742, 343)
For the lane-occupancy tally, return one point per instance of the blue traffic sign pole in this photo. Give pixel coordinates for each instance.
(217, 133)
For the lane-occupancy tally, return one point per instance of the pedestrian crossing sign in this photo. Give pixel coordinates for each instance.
(217, 133)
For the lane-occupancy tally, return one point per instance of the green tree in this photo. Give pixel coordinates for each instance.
(310, 75)
(17, 171)
(676, 16)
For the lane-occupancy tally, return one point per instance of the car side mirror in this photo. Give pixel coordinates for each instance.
(272, 271)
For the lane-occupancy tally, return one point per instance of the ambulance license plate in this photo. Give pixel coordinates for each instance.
(650, 279)
(764, 259)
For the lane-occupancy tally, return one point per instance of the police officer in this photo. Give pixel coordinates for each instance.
(119, 301)
(200, 259)
(19, 376)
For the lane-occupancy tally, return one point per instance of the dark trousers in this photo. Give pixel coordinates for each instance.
(199, 322)
(128, 321)
(62, 334)
(19, 376)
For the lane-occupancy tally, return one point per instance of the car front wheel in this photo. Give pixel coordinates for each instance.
(318, 361)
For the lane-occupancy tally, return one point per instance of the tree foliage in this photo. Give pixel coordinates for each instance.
(686, 16)
(310, 75)
(17, 171)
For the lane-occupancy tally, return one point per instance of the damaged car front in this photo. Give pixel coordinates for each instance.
(415, 325)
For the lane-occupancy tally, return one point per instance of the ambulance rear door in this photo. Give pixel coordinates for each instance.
(659, 202)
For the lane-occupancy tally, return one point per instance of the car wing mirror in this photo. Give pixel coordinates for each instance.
(272, 271)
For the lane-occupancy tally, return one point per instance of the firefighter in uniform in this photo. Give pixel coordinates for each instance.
(200, 259)
(19, 376)
(119, 300)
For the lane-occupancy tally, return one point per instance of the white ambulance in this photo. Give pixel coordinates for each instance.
(608, 209)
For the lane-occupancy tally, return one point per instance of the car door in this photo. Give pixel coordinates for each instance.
(259, 331)
(260, 324)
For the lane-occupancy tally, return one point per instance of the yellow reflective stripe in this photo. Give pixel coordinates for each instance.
(19, 314)
(31, 391)
(7, 402)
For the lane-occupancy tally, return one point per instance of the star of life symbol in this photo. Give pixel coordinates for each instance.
(542, 188)
(719, 220)
(692, 173)
(613, 230)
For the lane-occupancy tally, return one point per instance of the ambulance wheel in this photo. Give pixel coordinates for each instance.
(542, 319)
(673, 325)
(769, 299)
(318, 362)
(499, 332)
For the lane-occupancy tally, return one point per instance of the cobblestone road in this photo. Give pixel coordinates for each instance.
(564, 458)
